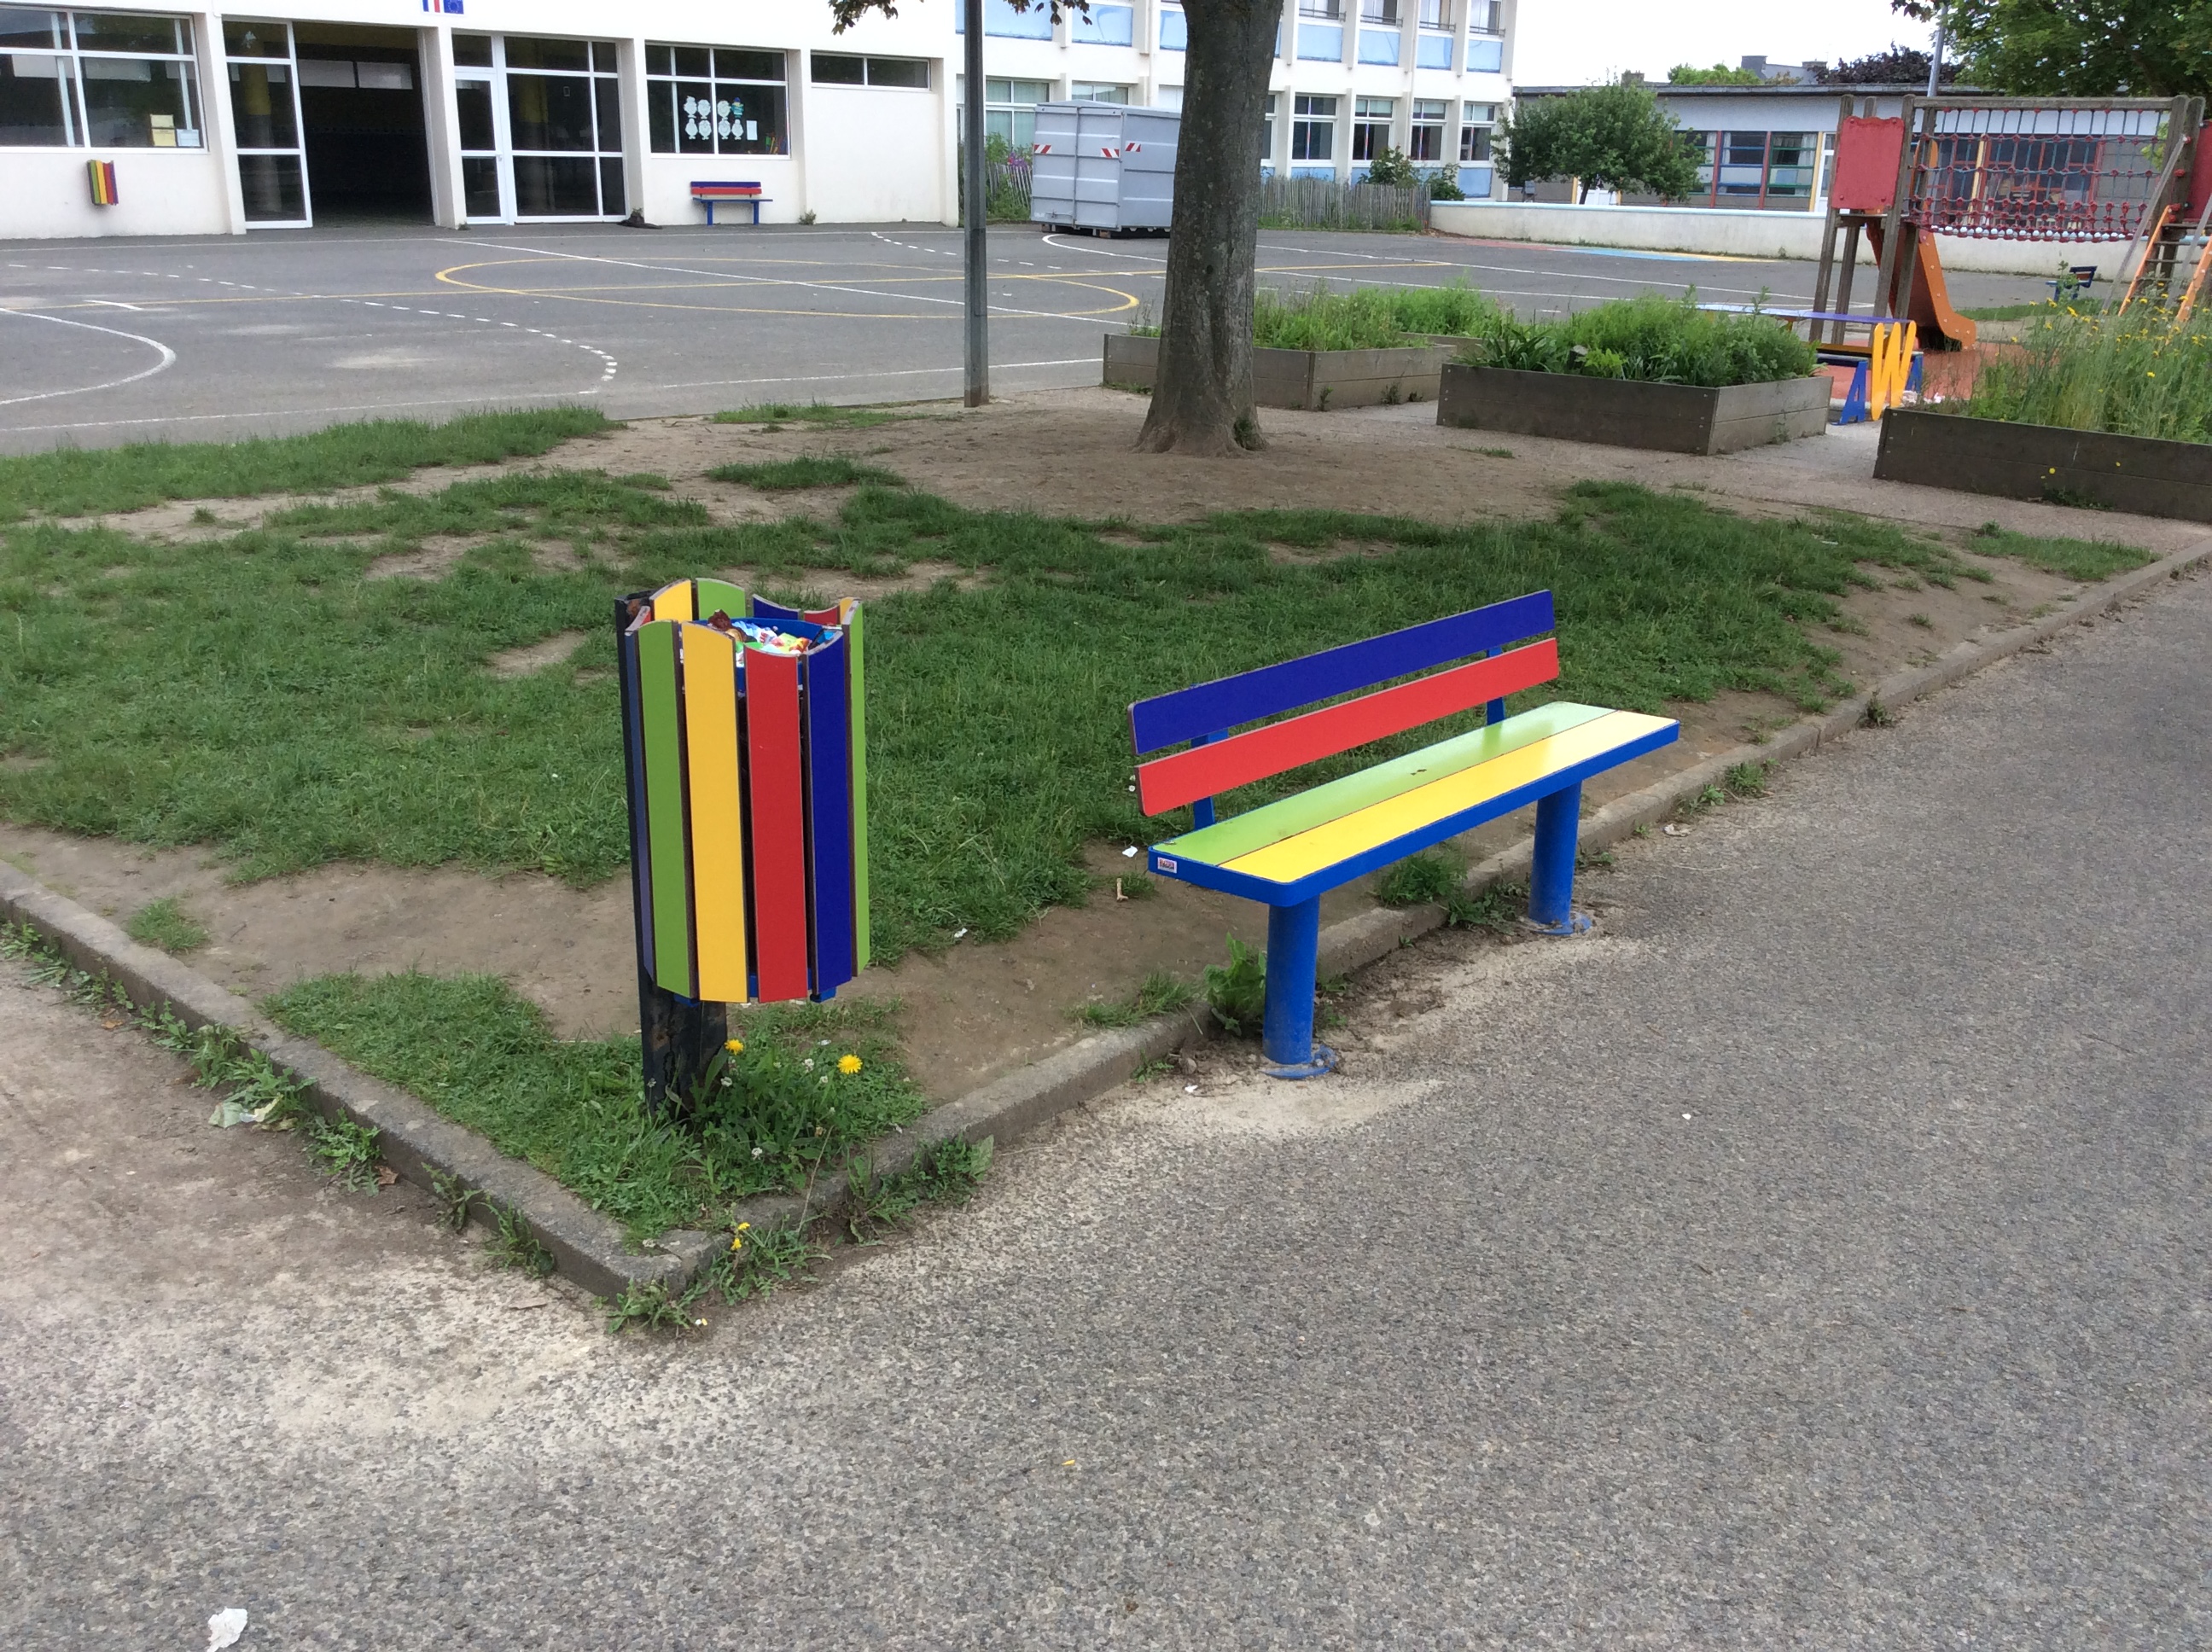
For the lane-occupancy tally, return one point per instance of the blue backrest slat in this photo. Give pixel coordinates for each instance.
(1190, 714)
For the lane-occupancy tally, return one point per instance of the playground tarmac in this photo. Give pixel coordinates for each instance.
(1815, 1257)
(103, 342)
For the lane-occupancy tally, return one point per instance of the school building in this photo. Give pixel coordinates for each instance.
(503, 111)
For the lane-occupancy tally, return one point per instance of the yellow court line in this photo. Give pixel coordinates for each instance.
(1378, 823)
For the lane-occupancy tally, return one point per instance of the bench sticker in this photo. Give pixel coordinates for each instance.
(1164, 864)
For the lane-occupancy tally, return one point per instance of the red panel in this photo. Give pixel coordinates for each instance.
(823, 616)
(1208, 771)
(1866, 154)
(779, 819)
(2200, 172)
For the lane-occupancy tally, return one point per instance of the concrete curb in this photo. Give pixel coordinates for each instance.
(414, 1141)
(593, 1251)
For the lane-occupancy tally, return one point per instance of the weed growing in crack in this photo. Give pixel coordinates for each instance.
(651, 1306)
(943, 1172)
(1495, 909)
(514, 1245)
(455, 1198)
(1236, 992)
(761, 1259)
(1747, 780)
(1876, 715)
(345, 1151)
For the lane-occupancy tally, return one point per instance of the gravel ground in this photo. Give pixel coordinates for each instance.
(1816, 1257)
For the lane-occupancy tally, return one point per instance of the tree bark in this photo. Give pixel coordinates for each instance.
(1202, 398)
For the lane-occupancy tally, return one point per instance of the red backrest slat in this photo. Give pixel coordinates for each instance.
(1209, 770)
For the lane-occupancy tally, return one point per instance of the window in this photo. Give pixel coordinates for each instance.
(1424, 139)
(1742, 170)
(563, 127)
(1267, 132)
(1475, 122)
(1370, 126)
(715, 101)
(1009, 109)
(1384, 12)
(1096, 92)
(69, 79)
(1328, 10)
(264, 107)
(1790, 158)
(1485, 17)
(1102, 26)
(1436, 14)
(1174, 29)
(1313, 128)
(831, 68)
(1000, 17)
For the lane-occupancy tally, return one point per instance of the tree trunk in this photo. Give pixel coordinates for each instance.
(1202, 397)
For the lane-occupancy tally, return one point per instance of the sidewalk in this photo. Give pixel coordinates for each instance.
(1816, 1256)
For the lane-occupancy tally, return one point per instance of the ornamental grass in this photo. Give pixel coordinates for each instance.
(2136, 373)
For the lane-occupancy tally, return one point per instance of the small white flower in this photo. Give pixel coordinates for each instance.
(757, 1152)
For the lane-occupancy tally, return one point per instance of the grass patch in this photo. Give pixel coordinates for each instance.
(260, 694)
(1421, 877)
(345, 1152)
(481, 1054)
(2087, 560)
(78, 482)
(2136, 375)
(945, 1172)
(1160, 992)
(1236, 992)
(2010, 312)
(164, 924)
(1659, 340)
(788, 474)
(813, 416)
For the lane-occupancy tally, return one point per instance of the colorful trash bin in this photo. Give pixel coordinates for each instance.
(744, 730)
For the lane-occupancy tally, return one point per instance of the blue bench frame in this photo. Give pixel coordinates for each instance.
(1203, 716)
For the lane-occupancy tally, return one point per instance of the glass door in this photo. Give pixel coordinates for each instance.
(264, 105)
(485, 189)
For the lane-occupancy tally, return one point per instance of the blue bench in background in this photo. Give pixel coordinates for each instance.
(1288, 853)
(748, 193)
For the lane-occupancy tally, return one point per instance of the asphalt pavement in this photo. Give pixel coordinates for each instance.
(1816, 1256)
(103, 342)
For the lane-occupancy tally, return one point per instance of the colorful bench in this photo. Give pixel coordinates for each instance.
(711, 192)
(1286, 855)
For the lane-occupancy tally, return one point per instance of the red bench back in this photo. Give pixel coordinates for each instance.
(1220, 761)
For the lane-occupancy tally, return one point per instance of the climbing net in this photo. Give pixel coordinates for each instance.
(2074, 172)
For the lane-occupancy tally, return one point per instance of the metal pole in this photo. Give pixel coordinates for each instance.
(1936, 62)
(971, 195)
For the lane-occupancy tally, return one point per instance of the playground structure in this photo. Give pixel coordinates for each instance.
(2131, 171)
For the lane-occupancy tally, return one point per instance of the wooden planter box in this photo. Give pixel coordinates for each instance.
(2143, 474)
(1629, 413)
(1306, 378)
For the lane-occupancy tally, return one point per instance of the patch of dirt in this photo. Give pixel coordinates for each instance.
(823, 586)
(511, 663)
(977, 1010)
(433, 559)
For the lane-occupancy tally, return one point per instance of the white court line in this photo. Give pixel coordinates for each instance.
(493, 402)
(767, 281)
(168, 358)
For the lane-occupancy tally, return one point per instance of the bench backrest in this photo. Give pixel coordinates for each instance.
(1218, 762)
(739, 190)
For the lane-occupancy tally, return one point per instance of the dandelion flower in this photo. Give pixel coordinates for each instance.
(848, 1065)
(735, 1046)
(743, 1226)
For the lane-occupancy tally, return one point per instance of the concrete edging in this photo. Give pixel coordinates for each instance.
(591, 1250)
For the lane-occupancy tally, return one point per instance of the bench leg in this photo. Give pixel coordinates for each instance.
(1552, 870)
(1286, 1031)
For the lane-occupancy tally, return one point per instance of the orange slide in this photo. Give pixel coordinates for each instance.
(1920, 296)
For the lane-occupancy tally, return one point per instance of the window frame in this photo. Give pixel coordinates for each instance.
(665, 96)
(1306, 121)
(68, 58)
(868, 62)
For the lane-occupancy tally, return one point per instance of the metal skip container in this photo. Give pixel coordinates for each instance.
(1104, 165)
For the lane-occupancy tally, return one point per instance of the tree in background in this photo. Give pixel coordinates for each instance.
(1614, 137)
(1720, 74)
(2077, 48)
(1901, 65)
(1202, 397)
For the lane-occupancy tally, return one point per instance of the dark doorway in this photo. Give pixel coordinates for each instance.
(360, 104)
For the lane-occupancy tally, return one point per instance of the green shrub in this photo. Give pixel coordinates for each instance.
(1236, 992)
(1654, 339)
(1417, 879)
(2136, 375)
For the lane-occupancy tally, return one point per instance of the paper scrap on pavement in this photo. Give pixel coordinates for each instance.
(224, 1627)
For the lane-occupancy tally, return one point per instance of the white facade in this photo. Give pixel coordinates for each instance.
(455, 112)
